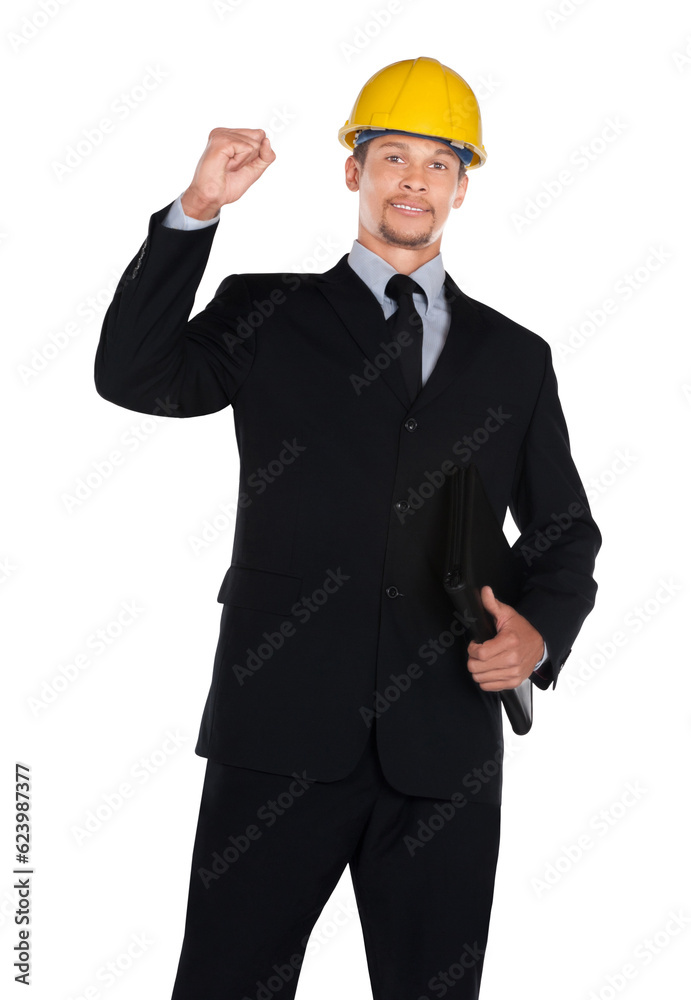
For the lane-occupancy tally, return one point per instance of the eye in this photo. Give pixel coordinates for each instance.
(437, 163)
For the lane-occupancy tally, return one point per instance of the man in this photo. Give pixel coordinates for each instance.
(349, 720)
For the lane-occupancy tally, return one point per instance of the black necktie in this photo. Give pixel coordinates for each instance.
(406, 319)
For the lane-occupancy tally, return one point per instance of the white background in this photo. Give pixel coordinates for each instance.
(548, 85)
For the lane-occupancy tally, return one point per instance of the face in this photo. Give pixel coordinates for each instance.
(408, 186)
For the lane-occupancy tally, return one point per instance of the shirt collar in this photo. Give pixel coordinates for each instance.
(375, 272)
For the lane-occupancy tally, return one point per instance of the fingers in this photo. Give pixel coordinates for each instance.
(243, 140)
(502, 643)
(501, 684)
(495, 664)
(495, 676)
(487, 654)
(266, 152)
(251, 134)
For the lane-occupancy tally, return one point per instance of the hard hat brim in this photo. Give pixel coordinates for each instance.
(348, 132)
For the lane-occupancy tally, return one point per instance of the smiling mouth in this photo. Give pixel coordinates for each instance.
(402, 206)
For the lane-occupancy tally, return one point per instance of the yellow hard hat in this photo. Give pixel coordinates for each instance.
(423, 97)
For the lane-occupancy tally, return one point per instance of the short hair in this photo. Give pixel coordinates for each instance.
(360, 155)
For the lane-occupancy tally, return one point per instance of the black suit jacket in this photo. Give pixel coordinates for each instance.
(333, 607)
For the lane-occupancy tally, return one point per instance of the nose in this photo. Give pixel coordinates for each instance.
(414, 179)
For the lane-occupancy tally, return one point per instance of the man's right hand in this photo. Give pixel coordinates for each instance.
(233, 159)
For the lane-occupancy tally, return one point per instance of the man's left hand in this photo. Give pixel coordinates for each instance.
(506, 660)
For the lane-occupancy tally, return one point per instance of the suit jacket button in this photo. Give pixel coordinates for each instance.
(392, 591)
(410, 424)
(402, 505)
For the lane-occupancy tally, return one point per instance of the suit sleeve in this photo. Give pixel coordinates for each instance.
(151, 357)
(559, 539)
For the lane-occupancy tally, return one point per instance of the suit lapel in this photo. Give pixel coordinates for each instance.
(358, 309)
(465, 337)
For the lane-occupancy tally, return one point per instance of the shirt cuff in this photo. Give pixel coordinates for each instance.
(176, 218)
(544, 656)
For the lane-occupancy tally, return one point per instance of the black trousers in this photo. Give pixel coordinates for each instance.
(269, 851)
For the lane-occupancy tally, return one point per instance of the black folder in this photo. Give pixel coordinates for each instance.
(479, 554)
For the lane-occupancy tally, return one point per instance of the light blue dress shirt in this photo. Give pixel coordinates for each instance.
(431, 303)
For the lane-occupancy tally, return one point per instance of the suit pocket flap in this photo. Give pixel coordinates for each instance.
(260, 590)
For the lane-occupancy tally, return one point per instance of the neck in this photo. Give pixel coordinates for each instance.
(404, 259)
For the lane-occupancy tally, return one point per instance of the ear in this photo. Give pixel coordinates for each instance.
(352, 174)
(460, 191)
